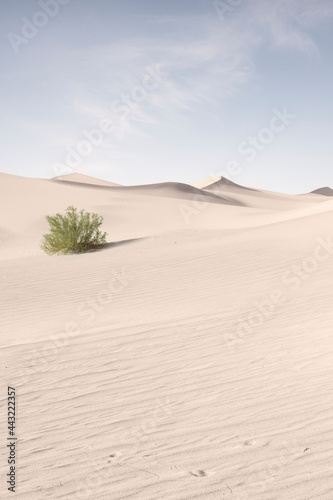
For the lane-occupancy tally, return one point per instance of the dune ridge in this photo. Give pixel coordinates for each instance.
(83, 179)
(325, 191)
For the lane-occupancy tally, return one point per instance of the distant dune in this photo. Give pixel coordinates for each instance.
(189, 358)
(218, 182)
(83, 179)
(325, 191)
(254, 198)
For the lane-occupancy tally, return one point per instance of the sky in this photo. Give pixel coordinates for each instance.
(149, 91)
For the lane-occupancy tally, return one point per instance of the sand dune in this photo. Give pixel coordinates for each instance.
(256, 198)
(83, 179)
(189, 359)
(219, 182)
(325, 191)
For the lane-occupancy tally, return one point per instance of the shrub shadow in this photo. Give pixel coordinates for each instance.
(114, 244)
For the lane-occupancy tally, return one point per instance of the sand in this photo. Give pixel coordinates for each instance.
(191, 358)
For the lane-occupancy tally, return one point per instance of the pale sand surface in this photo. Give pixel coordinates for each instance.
(162, 387)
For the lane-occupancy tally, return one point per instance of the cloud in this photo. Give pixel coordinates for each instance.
(289, 22)
(208, 62)
(202, 71)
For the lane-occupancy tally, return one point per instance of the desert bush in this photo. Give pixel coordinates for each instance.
(73, 232)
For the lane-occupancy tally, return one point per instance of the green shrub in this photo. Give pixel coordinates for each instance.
(73, 232)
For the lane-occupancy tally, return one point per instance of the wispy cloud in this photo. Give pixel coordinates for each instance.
(288, 23)
(209, 63)
(201, 71)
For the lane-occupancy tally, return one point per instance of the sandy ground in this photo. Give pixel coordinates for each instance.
(192, 358)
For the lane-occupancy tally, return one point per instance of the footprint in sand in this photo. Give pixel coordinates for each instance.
(114, 456)
(198, 473)
(250, 442)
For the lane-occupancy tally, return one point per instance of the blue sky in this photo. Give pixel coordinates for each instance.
(224, 72)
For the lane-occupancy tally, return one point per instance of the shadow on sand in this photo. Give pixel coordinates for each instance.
(115, 244)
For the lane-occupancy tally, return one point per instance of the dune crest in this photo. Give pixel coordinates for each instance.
(83, 179)
(215, 182)
(325, 191)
